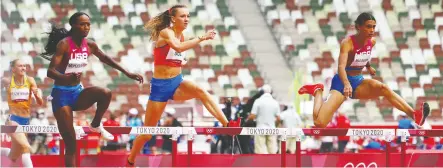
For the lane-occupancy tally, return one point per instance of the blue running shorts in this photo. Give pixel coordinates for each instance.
(355, 81)
(19, 120)
(65, 96)
(163, 89)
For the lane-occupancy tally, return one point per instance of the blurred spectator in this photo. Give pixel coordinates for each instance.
(214, 139)
(40, 118)
(265, 110)
(81, 119)
(404, 123)
(226, 140)
(290, 119)
(169, 121)
(114, 144)
(38, 141)
(247, 110)
(327, 144)
(373, 144)
(133, 121)
(246, 141)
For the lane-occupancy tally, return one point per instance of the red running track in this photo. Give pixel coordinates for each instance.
(434, 159)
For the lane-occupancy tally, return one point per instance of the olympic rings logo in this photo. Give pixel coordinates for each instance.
(316, 132)
(421, 132)
(209, 130)
(363, 165)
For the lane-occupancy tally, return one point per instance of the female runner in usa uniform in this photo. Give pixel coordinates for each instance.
(355, 54)
(167, 82)
(70, 51)
(20, 88)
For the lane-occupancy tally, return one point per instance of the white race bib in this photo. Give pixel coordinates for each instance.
(76, 66)
(361, 59)
(21, 94)
(176, 56)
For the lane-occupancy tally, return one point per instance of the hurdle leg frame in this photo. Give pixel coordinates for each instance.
(388, 153)
(283, 150)
(174, 149)
(403, 151)
(298, 151)
(62, 152)
(190, 142)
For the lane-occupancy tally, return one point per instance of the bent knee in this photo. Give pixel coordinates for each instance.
(384, 88)
(107, 92)
(320, 123)
(200, 92)
(24, 148)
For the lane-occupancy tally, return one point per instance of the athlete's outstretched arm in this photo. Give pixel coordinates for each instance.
(35, 91)
(108, 60)
(169, 36)
(345, 47)
(56, 60)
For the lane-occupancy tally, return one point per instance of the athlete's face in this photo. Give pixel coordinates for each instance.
(181, 18)
(19, 68)
(368, 28)
(83, 25)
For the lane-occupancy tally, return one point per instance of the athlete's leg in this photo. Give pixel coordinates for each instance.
(323, 111)
(20, 148)
(188, 90)
(372, 89)
(153, 113)
(91, 95)
(66, 128)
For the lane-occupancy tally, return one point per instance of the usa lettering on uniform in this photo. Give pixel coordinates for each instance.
(79, 56)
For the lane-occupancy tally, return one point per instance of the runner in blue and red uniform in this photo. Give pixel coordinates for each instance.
(167, 82)
(68, 52)
(355, 54)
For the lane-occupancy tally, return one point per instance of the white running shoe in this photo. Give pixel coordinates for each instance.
(105, 134)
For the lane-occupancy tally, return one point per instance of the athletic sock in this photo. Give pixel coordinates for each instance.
(5, 151)
(26, 160)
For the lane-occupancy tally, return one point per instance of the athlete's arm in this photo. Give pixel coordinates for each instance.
(56, 60)
(5, 82)
(35, 91)
(108, 60)
(345, 47)
(169, 37)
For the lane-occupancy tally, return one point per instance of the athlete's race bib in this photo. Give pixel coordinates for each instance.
(19, 95)
(175, 56)
(77, 63)
(361, 58)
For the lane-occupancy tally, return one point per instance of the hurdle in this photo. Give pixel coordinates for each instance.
(386, 134)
